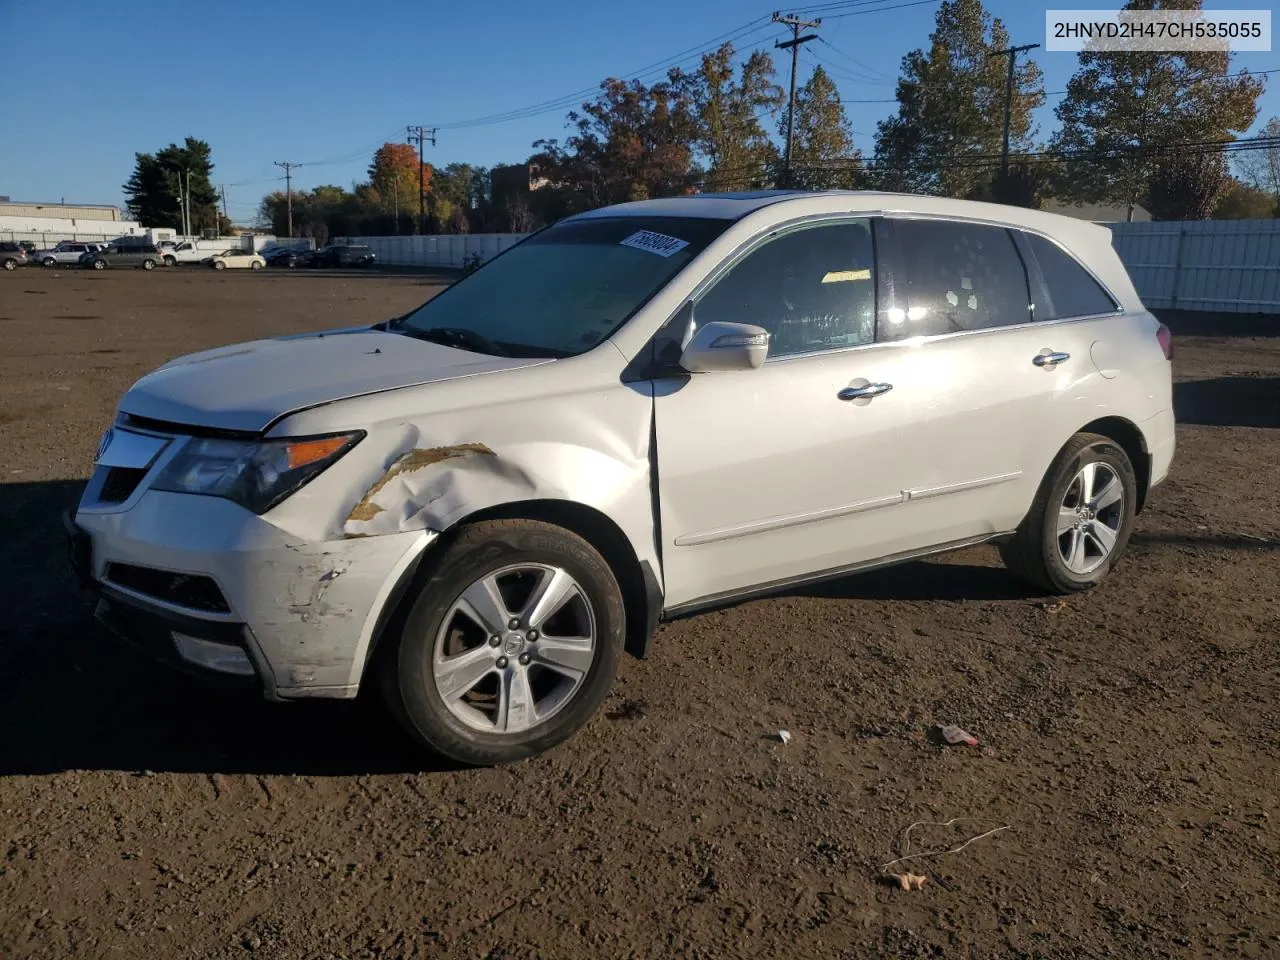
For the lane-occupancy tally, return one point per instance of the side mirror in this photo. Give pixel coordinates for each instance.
(719, 347)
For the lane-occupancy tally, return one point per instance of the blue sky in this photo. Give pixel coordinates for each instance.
(323, 83)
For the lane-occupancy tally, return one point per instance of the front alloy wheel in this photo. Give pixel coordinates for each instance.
(514, 648)
(510, 645)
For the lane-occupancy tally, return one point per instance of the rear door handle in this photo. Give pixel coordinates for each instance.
(864, 393)
(1050, 358)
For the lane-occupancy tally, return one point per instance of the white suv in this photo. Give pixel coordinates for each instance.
(640, 412)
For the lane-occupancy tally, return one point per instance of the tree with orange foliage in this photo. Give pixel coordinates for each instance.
(394, 175)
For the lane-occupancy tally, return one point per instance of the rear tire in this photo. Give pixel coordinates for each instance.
(497, 692)
(99, 264)
(219, 265)
(1081, 519)
(148, 264)
(49, 262)
(11, 264)
(255, 265)
(170, 261)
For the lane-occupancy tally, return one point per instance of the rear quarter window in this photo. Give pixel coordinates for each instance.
(1069, 289)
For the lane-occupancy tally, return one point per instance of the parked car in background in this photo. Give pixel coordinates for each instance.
(237, 259)
(287, 256)
(420, 506)
(341, 255)
(67, 252)
(13, 255)
(145, 255)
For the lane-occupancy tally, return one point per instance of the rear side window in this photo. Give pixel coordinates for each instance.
(1069, 290)
(958, 277)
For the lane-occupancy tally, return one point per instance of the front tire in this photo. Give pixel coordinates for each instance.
(170, 261)
(99, 264)
(219, 265)
(49, 262)
(255, 265)
(148, 264)
(510, 645)
(1081, 520)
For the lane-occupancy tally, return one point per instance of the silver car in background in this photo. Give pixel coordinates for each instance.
(638, 413)
(64, 253)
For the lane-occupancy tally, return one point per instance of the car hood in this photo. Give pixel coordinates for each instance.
(246, 386)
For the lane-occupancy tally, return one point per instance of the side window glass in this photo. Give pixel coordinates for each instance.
(954, 277)
(813, 289)
(1069, 289)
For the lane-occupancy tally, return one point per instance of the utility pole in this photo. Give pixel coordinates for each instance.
(288, 187)
(395, 192)
(421, 134)
(224, 204)
(796, 25)
(184, 209)
(1012, 54)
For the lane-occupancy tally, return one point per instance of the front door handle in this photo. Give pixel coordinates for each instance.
(864, 392)
(1050, 358)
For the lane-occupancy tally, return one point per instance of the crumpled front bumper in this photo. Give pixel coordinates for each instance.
(304, 614)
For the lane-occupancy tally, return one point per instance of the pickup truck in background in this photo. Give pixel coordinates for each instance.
(184, 252)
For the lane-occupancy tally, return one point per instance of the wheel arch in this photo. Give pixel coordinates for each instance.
(1126, 435)
(638, 581)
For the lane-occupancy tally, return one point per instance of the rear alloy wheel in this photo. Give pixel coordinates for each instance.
(11, 264)
(99, 264)
(49, 262)
(1081, 520)
(148, 264)
(255, 265)
(510, 646)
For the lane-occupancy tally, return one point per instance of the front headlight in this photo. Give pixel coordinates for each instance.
(257, 474)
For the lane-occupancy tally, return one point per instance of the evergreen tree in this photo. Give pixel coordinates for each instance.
(949, 128)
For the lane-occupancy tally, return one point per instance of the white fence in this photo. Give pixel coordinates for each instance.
(1230, 266)
(442, 250)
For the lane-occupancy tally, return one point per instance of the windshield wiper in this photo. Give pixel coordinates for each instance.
(455, 337)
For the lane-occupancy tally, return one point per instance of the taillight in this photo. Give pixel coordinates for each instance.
(1165, 336)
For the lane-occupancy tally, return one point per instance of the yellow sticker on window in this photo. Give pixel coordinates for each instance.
(841, 276)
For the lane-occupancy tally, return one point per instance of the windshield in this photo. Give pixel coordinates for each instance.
(567, 288)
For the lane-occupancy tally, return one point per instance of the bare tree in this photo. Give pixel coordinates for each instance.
(519, 216)
(1260, 169)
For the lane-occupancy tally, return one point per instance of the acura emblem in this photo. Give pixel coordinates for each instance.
(104, 443)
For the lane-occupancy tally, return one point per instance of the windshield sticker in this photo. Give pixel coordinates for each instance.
(841, 276)
(658, 243)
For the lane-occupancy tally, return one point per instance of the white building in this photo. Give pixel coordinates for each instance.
(47, 223)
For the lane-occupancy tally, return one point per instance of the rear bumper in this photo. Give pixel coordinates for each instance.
(1159, 432)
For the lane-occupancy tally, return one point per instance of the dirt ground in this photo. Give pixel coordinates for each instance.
(1130, 741)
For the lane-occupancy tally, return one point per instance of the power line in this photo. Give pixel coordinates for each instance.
(895, 6)
(871, 72)
(570, 99)
(839, 72)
